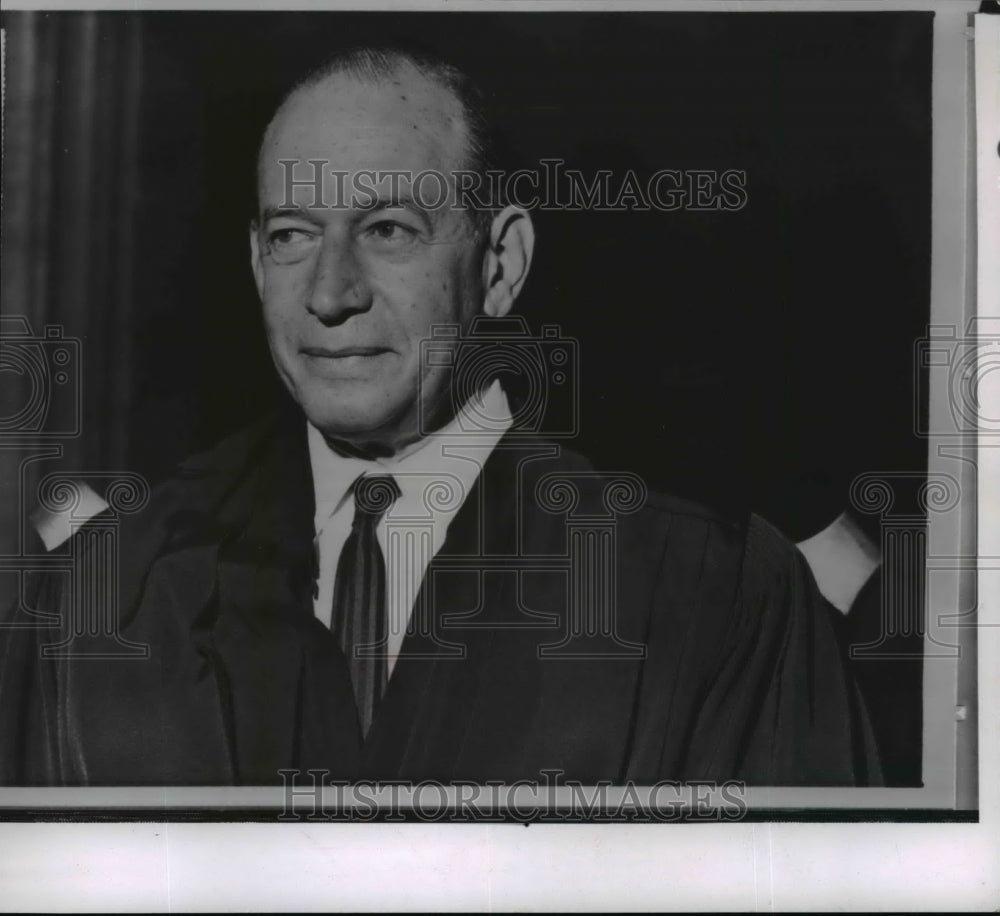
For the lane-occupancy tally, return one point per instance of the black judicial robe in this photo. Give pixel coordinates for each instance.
(723, 664)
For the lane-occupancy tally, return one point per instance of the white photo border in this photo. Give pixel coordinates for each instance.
(809, 866)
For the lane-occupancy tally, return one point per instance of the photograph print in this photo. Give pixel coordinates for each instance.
(479, 398)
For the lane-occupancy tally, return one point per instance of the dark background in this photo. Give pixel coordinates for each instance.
(759, 358)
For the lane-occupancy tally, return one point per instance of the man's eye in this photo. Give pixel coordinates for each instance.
(288, 244)
(390, 231)
(285, 237)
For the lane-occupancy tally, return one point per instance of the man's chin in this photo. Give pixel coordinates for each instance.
(363, 428)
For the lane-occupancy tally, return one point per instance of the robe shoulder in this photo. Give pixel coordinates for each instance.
(193, 501)
(744, 675)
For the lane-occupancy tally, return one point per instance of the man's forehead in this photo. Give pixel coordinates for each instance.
(404, 120)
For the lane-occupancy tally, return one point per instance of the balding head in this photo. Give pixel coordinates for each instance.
(440, 103)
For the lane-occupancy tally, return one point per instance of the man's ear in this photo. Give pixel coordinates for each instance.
(255, 263)
(507, 259)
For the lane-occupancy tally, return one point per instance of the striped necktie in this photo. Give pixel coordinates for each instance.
(359, 597)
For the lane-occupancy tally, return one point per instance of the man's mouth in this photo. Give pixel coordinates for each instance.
(345, 363)
(342, 352)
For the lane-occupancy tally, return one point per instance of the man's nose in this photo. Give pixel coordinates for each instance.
(339, 288)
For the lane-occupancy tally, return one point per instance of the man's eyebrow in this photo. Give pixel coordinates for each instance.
(380, 204)
(399, 202)
(288, 213)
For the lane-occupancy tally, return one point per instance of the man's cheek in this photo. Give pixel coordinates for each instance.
(287, 286)
(281, 325)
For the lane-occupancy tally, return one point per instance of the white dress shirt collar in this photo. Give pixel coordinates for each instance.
(446, 451)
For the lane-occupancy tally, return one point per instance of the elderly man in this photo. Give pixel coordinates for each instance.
(397, 578)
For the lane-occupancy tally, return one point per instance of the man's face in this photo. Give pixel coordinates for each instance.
(349, 293)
